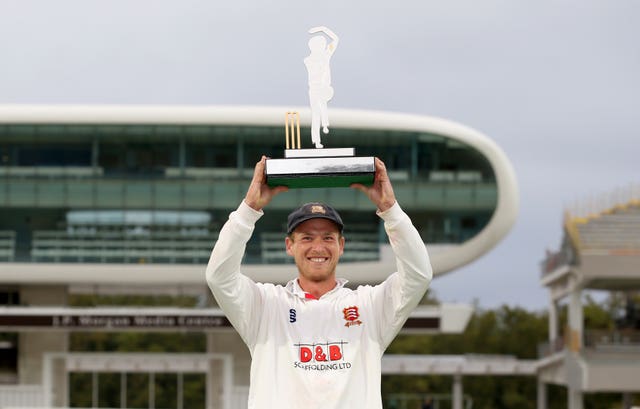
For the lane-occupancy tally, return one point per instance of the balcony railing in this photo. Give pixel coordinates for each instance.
(617, 340)
(549, 348)
(197, 190)
(27, 396)
(623, 340)
(7, 245)
(117, 246)
(554, 260)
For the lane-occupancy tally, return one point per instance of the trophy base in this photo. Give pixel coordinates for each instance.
(320, 171)
(319, 153)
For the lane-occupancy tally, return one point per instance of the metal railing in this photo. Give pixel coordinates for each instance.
(619, 340)
(416, 400)
(622, 340)
(549, 348)
(21, 396)
(605, 202)
(554, 260)
(7, 245)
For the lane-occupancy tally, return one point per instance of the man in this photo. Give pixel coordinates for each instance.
(314, 343)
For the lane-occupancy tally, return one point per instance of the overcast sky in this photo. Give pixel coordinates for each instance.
(555, 83)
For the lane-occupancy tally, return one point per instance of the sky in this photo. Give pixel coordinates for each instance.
(556, 84)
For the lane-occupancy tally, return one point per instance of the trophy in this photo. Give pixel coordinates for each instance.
(318, 166)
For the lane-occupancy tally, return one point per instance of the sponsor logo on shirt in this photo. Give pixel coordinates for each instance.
(292, 315)
(326, 356)
(351, 315)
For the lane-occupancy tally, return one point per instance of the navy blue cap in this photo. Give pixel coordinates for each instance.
(313, 210)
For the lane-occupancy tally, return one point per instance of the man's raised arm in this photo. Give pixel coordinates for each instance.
(400, 293)
(237, 295)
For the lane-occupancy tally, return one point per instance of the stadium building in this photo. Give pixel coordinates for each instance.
(600, 251)
(119, 201)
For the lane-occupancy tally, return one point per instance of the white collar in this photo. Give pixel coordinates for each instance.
(294, 287)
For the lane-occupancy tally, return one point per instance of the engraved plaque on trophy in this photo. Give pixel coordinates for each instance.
(318, 166)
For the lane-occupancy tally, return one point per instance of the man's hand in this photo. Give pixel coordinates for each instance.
(259, 193)
(381, 192)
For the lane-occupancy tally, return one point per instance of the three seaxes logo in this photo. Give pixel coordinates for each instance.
(317, 209)
(351, 315)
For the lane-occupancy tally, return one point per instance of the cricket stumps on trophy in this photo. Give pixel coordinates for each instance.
(317, 167)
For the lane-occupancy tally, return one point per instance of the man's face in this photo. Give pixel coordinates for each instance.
(316, 245)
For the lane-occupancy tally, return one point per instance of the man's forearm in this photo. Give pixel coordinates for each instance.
(229, 249)
(411, 254)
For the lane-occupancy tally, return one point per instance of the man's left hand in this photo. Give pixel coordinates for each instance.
(380, 192)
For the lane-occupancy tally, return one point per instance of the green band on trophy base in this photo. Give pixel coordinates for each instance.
(298, 181)
(320, 172)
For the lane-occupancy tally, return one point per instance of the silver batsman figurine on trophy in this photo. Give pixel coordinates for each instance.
(318, 166)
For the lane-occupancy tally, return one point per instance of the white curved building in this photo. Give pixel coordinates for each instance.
(484, 193)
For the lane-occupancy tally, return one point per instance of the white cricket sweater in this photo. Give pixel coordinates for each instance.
(325, 353)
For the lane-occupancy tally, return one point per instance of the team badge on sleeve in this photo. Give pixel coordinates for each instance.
(351, 315)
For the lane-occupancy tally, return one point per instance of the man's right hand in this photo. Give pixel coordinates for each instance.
(259, 193)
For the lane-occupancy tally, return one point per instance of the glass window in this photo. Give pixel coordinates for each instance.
(9, 297)
(202, 155)
(137, 158)
(54, 155)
